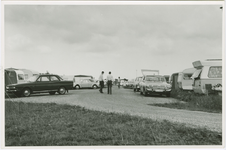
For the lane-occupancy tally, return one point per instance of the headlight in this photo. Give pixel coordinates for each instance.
(168, 86)
(148, 86)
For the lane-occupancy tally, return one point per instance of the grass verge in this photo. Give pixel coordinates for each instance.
(30, 124)
(194, 102)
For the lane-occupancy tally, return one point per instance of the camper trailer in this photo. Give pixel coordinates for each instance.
(13, 75)
(185, 80)
(208, 74)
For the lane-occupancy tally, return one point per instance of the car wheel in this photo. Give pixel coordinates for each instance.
(94, 86)
(168, 94)
(26, 92)
(62, 90)
(52, 93)
(141, 93)
(145, 92)
(77, 87)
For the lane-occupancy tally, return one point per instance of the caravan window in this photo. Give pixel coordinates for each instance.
(187, 76)
(215, 72)
(20, 76)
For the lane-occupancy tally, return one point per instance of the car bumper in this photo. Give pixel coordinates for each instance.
(12, 91)
(159, 90)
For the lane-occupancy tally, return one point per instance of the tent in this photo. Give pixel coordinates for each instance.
(174, 78)
(10, 76)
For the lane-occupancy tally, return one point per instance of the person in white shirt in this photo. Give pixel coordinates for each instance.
(101, 80)
(109, 82)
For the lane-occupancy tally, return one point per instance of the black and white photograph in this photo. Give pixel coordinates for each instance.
(112, 74)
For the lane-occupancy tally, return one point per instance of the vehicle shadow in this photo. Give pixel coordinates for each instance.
(36, 95)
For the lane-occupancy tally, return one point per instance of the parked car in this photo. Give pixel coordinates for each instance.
(77, 79)
(207, 76)
(136, 85)
(44, 83)
(152, 83)
(86, 83)
(157, 84)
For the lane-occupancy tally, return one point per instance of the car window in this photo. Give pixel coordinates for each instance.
(54, 78)
(45, 79)
(32, 79)
(41, 79)
(215, 72)
(85, 81)
(155, 79)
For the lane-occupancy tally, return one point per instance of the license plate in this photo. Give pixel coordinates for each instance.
(158, 90)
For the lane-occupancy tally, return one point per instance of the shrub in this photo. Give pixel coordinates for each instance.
(211, 102)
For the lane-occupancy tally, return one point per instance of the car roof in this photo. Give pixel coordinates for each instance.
(154, 76)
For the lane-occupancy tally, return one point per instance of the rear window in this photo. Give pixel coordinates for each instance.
(215, 72)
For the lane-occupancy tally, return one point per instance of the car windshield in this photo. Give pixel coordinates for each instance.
(155, 79)
(32, 79)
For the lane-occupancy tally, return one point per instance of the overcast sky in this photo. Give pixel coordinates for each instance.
(123, 39)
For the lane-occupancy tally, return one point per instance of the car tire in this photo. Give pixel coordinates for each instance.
(145, 92)
(168, 94)
(26, 92)
(77, 87)
(62, 90)
(141, 93)
(94, 86)
(52, 93)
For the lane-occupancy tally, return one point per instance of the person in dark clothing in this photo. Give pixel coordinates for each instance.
(109, 82)
(101, 80)
(119, 82)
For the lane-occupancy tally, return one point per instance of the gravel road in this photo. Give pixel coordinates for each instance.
(128, 102)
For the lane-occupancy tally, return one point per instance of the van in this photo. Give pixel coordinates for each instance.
(184, 79)
(208, 74)
(78, 78)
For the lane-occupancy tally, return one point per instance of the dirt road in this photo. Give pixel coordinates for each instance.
(128, 102)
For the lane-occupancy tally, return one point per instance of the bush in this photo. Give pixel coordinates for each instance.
(211, 102)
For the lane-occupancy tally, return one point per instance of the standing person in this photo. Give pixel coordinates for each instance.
(119, 82)
(109, 82)
(101, 80)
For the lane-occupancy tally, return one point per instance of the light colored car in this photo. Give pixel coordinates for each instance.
(86, 83)
(136, 86)
(154, 84)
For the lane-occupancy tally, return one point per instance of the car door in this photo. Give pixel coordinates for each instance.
(85, 83)
(42, 84)
(54, 83)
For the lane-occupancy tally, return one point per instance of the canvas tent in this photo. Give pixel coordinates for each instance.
(10, 76)
(173, 80)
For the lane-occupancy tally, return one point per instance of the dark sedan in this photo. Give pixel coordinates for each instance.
(45, 83)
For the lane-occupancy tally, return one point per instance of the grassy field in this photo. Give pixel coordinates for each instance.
(31, 124)
(195, 102)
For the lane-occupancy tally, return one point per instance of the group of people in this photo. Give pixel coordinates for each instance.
(109, 82)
